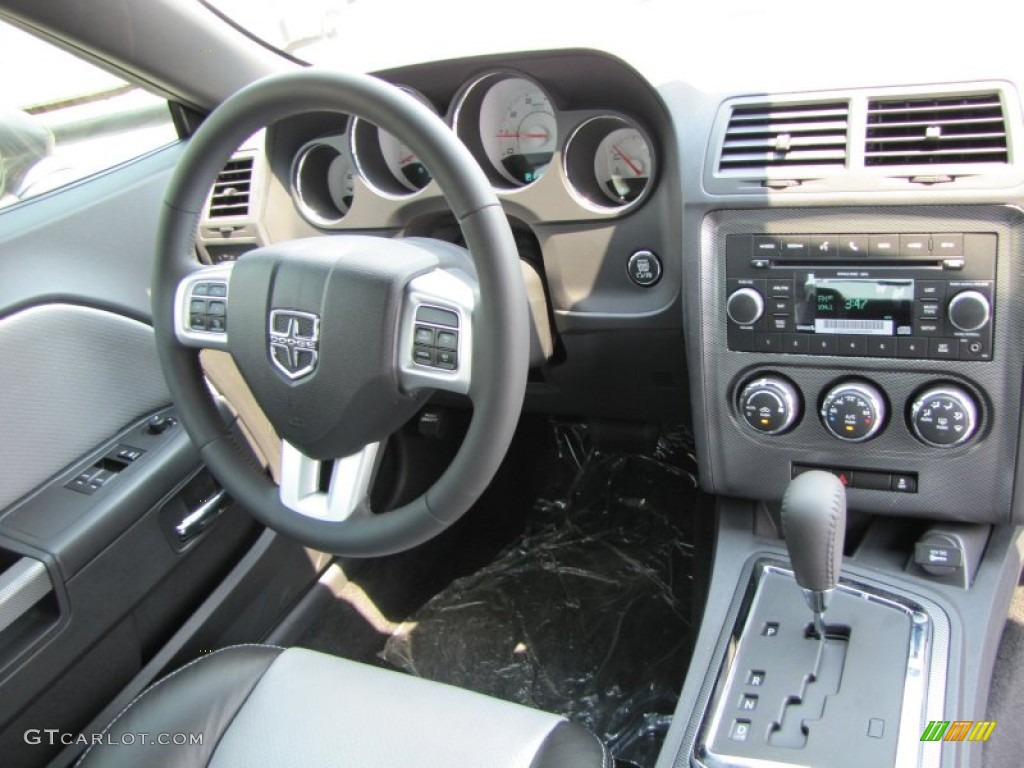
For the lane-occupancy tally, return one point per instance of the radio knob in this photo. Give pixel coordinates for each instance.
(769, 405)
(944, 416)
(853, 411)
(745, 306)
(969, 311)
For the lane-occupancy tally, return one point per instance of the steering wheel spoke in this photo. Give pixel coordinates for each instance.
(331, 491)
(436, 338)
(201, 308)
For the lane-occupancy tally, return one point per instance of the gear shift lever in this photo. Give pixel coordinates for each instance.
(814, 524)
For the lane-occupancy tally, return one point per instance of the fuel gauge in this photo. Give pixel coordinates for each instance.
(609, 162)
(622, 165)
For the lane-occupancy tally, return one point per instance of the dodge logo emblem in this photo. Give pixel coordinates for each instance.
(294, 341)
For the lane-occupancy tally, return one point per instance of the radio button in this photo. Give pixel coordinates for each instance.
(823, 246)
(911, 348)
(780, 289)
(953, 264)
(931, 289)
(884, 246)
(781, 306)
(794, 343)
(768, 342)
(947, 245)
(928, 310)
(760, 263)
(881, 346)
(794, 246)
(781, 323)
(927, 328)
(852, 346)
(915, 245)
(854, 245)
(943, 349)
(822, 345)
(766, 246)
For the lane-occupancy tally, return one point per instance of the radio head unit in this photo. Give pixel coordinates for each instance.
(869, 299)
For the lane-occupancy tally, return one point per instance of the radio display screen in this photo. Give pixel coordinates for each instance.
(857, 307)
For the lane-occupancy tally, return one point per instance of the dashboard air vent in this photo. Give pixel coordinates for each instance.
(763, 136)
(930, 131)
(230, 196)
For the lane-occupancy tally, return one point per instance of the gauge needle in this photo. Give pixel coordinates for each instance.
(522, 136)
(632, 166)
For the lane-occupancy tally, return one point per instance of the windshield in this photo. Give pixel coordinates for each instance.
(373, 34)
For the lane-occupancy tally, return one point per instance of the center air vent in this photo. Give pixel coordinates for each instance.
(230, 196)
(764, 136)
(929, 131)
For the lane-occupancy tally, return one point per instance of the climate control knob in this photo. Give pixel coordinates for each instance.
(769, 405)
(944, 416)
(745, 306)
(969, 311)
(853, 411)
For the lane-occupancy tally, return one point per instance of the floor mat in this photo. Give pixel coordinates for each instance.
(590, 613)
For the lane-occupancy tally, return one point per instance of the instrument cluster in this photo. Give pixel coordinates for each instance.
(604, 161)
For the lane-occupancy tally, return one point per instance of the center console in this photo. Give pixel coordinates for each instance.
(870, 342)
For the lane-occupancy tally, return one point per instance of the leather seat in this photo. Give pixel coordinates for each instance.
(258, 705)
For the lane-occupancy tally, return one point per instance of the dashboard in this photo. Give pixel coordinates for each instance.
(813, 278)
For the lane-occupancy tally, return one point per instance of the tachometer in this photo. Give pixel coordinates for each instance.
(518, 129)
(403, 163)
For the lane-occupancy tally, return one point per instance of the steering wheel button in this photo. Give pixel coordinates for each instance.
(201, 289)
(219, 290)
(424, 335)
(217, 309)
(216, 324)
(447, 340)
(197, 307)
(197, 321)
(423, 355)
(447, 358)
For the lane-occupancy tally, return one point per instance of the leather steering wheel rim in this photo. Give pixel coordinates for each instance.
(500, 351)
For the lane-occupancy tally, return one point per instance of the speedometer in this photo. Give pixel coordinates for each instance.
(518, 129)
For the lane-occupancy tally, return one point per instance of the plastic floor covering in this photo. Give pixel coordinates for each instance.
(590, 613)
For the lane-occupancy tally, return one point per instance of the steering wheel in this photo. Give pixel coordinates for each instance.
(342, 338)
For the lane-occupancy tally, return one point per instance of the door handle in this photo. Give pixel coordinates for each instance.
(202, 517)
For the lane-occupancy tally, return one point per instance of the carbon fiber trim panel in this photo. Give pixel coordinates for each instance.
(973, 482)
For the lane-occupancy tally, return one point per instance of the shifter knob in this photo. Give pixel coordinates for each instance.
(814, 524)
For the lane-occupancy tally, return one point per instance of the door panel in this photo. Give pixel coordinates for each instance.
(75, 376)
(78, 379)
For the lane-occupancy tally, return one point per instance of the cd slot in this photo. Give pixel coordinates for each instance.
(840, 265)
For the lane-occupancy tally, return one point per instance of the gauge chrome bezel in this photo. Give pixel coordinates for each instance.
(337, 143)
(575, 167)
